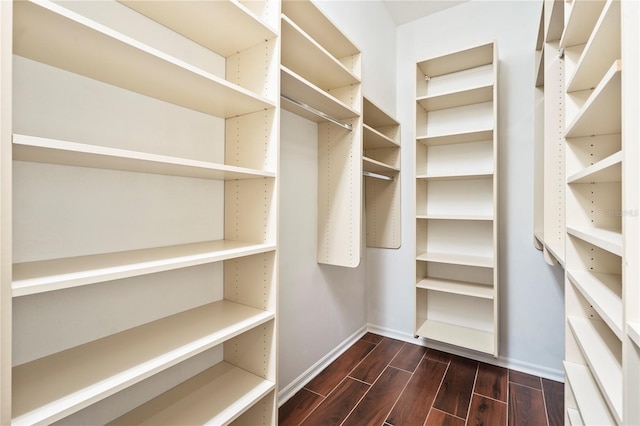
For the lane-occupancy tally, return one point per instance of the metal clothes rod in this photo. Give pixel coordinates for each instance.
(318, 112)
(377, 176)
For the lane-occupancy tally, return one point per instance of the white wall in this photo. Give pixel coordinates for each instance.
(323, 306)
(531, 293)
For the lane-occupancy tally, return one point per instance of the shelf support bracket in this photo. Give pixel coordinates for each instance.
(317, 112)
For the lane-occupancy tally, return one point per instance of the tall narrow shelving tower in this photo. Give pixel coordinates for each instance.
(456, 199)
(320, 75)
(381, 165)
(597, 199)
(144, 146)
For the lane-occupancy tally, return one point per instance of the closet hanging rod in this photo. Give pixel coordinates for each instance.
(317, 112)
(377, 176)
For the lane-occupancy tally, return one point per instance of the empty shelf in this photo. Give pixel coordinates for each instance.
(602, 48)
(456, 259)
(52, 387)
(593, 409)
(216, 396)
(607, 239)
(454, 138)
(47, 275)
(478, 340)
(603, 352)
(296, 87)
(458, 61)
(456, 99)
(464, 288)
(581, 21)
(601, 113)
(375, 117)
(371, 165)
(453, 217)
(225, 27)
(455, 176)
(41, 150)
(574, 417)
(604, 293)
(317, 65)
(633, 330)
(47, 32)
(607, 170)
(373, 139)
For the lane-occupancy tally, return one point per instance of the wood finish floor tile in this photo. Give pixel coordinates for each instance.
(415, 401)
(409, 357)
(525, 379)
(334, 409)
(454, 395)
(379, 400)
(298, 407)
(438, 356)
(377, 360)
(373, 338)
(439, 418)
(329, 378)
(526, 406)
(486, 412)
(492, 381)
(554, 401)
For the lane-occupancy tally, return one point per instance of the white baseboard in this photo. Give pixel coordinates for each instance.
(524, 367)
(293, 387)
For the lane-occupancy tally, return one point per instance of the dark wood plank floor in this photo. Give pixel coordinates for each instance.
(385, 382)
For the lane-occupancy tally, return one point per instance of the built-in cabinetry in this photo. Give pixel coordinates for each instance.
(456, 199)
(601, 201)
(549, 145)
(320, 77)
(381, 168)
(144, 139)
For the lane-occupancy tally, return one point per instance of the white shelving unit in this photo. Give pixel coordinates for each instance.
(456, 198)
(320, 75)
(601, 358)
(381, 167)
(143, 138)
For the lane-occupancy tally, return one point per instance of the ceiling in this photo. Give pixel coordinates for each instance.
(403, 11)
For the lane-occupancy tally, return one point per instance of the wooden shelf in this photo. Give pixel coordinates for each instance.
(225, 27)
(455, 138)
(296, 87)
(478, 340)
(55, 274)
(580, 22)
(464, 175)
(633, 330)
(447, 123)
(313, 22)
(601, 113)
(593, 409)
(317, 65)
(539, 69)
(604, 293)
(554, 21)
(602, 49)
(375, 117)
(216, 396)
(456, 259)
(607, 170)
(375, 166)
(556, 250)
(463, 288)
(373, 139)
(47, 389)
(456, 99)
(454, 217)
(607, 239)
(458, 61)
(48, 33)
(42, 150)
(602, 350)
